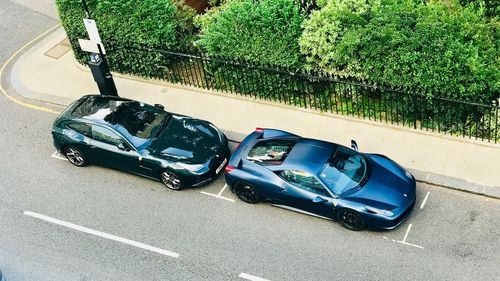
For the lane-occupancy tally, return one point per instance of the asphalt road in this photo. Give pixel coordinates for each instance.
(455, 236)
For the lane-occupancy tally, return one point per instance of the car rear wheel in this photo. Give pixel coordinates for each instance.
(75, 156)
(351, 219)
(171, 180)
(247, 193)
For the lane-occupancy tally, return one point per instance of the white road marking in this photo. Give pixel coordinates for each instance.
(425, 200)
(101, 234)
(219, 195)
(407, 232)
(222, 190)
(404, 243)
(410, 244)
(251, 277)
(57, 155)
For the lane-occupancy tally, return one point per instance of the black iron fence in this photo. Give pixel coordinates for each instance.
(312, 90)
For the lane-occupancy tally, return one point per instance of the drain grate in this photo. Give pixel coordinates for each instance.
(59, 50)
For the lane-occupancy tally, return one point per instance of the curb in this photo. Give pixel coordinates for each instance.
(5, 78)
(420, 176)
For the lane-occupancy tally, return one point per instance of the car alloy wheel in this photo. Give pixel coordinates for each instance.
(171, 180)
(351, 220)
(75, 156)
(247, 193)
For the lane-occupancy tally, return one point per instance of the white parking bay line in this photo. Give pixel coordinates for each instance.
(101, 234)
(57, 155)
(410, 244)
(222, 190)
(219, 195)
(425, 200)
(407, 232)
(251, 277)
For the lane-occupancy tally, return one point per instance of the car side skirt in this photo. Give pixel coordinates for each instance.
(300, 211)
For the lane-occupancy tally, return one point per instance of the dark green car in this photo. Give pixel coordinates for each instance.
(141, 139)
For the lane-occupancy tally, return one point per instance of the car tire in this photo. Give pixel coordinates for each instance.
(171, 180)
(75, 156)
(247, 192)
(351, 219)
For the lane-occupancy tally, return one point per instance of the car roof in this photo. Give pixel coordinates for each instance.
(308, 155)
(97, 108)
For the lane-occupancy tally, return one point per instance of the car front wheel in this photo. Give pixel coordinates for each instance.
(247, 193)
(171, 180)
(351, 219)
(75, 156)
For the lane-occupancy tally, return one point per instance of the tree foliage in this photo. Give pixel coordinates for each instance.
(166, 24)
(426, 47)
(264, 31)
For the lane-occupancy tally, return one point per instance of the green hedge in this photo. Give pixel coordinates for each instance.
(124, 25)
(491, 7)
(429, 48)
(265, 31)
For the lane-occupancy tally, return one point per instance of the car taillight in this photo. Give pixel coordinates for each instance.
(259, 130)
(229, 168)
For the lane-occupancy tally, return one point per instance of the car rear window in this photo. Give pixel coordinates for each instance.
(271, 152)
(81, 128)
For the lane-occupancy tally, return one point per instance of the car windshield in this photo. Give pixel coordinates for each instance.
(136, 121)
(344, 171)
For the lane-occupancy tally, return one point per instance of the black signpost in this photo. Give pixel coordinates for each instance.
(98, 64)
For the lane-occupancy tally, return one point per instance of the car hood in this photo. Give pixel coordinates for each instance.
(188, 140)
(386, 185)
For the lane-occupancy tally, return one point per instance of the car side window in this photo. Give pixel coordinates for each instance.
(105, 135)
(81, 128)
(305, 181)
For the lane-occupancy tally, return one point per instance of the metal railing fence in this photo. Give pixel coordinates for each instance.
(312, 90)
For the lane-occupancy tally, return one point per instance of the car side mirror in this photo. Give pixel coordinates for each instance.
(123, 146)
(354, 145)
(319, 199)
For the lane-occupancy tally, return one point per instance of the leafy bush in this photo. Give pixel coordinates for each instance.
(428, 48)
(264, 31)
(124, 25)
(492, 7)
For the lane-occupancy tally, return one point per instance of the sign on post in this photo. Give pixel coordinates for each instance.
(90, 46)
(91, 27)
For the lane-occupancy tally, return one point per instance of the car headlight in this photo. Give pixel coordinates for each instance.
(386, 213)
(190, 167)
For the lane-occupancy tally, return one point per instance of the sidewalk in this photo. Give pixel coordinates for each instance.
(452, 162)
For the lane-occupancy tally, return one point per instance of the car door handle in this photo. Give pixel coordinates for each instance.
(92, 146)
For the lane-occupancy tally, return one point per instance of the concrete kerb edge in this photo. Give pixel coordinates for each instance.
(26, 92)
(11, 83)
(421, 176)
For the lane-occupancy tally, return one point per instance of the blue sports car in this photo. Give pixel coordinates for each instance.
(359, 190)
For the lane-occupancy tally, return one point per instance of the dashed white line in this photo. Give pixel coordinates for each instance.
(219, 195)
(407, 232)
(251, 277)
(425, 200)
(101, 234)
(57, 156)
